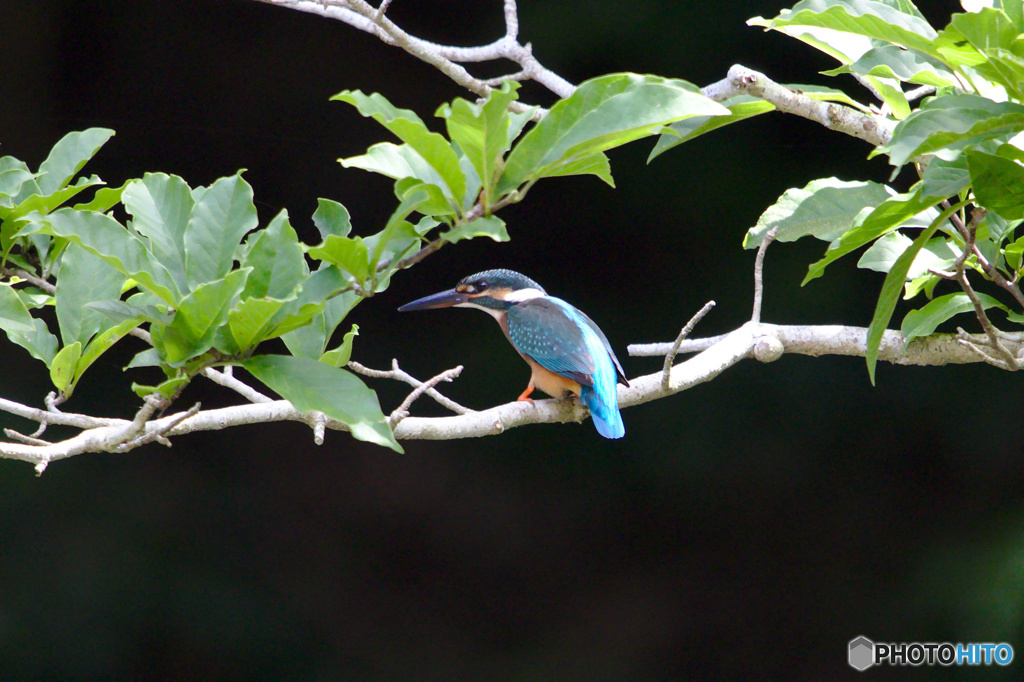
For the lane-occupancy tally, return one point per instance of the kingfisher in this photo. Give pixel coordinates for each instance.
(567, 353)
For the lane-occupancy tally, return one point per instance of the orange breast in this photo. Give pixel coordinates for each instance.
(553, 384)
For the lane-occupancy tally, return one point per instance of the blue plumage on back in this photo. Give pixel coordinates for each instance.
(602, 397)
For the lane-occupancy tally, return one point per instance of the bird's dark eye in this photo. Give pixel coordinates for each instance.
(480, 286)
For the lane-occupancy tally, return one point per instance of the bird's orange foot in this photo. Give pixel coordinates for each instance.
(525, 396)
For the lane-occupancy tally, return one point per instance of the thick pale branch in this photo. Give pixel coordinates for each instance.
(743, 81)
(717, 355)
(934, 350)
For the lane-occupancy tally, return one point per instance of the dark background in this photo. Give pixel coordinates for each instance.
(749, 527)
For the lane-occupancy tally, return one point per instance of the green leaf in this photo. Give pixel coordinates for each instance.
(923, 322)
(14, 316)
(312, 386)
(482, 132)
(825, 209)
(68, 157)
(121, 311)
(740, 108)
(603, 113)
(944, 126)
(943, 179)
(161, 205)
(884, 218)
(223, 214)
(276, 259)
(146, 358)
(884, 253)
(893, 286)
(595, 164)
(168, 389)
(348, 254)
(864, 18)
(104, 199)
(100, 344)
(311, 340)
(431, 147)
(489, 226)
(62, 369)
(251, 320)
(892, 61)
(39, 342)
(340, 356)
(998, 183)
(331, 218)
(400, 162)
(103, 236)
(197, 319)
(83, 279)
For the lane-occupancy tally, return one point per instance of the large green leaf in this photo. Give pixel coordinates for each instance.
(740, 108)
(330, 218)
(893, 287)
(278, 266)
(431, 147)
(68, 157)
(490, 226)
(887, 249)
(100, 344)
(401, 162)
(998, 183)
(251, 321)
(925, 321)
(223, 214)
(482, 132)
(103, 236)
(892, 61)
(313, 386)
(197, 319)
(310, 341)
(825, 209)
(14, 316)
(869, 226)
(865, 18)
(161, 205)
(83, 279)
(39, 342)
(944, 126)
(348, 254)
(602, 113)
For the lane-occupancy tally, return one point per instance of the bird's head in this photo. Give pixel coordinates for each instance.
(493, 291)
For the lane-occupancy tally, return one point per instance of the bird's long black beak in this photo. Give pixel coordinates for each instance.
(444, 299)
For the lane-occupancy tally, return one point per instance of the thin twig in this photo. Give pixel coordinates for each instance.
(402, 411)
(159, 434)
(11, 433)
(38, 282)
(666, 371)
(759, 273)
(228, 381)
(446, 58)
(401, 375)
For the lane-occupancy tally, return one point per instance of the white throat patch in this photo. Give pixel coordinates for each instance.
(524, 295)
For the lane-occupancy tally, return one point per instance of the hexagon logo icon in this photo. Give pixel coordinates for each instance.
(862, 653)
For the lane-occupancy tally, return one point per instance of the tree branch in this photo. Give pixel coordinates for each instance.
(715, 356)
(743, 81)
(446, 58)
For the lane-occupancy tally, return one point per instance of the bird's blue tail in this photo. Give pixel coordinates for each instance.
(605, 413)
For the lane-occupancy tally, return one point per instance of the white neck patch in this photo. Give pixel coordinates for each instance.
(524, 295)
